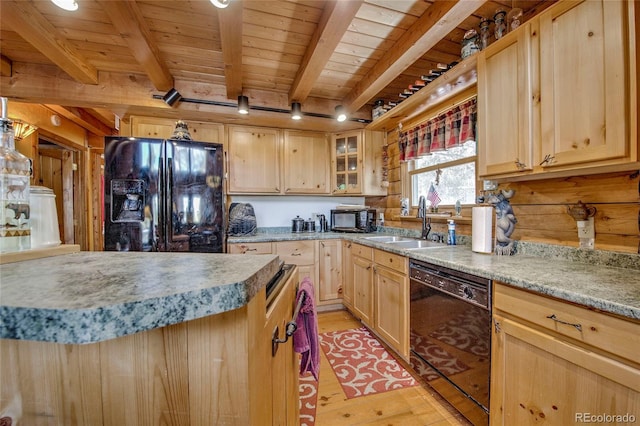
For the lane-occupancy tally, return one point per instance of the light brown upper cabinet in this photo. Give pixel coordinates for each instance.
(254, 160)
(506, 74)
(585, 76)
(306, 162)
(356, 163)
(162, 128)
(562, 91)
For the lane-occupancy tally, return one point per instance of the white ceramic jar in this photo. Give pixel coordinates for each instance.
(44, 218)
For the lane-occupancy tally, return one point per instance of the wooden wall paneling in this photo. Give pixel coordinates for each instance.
(47, 383)
(217, 392)
(50, 166)
(541, 210)
(606, 188)
(68, 183)
(145, 378)
(95, 202)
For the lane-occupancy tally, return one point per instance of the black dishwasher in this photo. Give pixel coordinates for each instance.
(450, 335)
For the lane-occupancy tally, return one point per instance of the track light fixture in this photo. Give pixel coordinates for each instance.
(172, 97)
(341, 114)
(243, 104)
(221, 4)
(296, 111)
(69, 5)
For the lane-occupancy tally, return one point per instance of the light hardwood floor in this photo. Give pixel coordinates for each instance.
(415, 406)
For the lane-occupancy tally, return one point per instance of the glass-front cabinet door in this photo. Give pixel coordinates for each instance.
(347, 163)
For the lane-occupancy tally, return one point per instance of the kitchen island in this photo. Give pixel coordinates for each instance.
(107, 338)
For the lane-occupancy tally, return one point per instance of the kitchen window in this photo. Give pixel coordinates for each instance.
(452, 172)
(440, 156)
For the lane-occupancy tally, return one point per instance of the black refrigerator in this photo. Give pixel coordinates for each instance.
(163, 195)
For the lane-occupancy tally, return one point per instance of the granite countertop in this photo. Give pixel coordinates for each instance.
(88, 297)
(607, 281)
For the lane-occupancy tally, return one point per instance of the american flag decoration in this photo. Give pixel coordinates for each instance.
(433, 196)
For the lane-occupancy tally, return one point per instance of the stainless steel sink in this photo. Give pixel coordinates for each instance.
(387, 239)
(415, 244)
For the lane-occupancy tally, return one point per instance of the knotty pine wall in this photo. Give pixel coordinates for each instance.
(540, 207)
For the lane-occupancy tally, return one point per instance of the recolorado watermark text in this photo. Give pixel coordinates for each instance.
(605, 418)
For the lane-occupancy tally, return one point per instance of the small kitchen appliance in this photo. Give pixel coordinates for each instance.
(297, 224)
(356, 220)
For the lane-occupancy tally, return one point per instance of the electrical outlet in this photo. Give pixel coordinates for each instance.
(586, 228)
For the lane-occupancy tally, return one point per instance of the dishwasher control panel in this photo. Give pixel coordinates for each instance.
(464, 286)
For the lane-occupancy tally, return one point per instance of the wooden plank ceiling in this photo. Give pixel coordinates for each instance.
(121, 56)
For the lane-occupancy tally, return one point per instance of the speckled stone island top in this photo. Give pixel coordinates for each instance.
(93, 296)
(608, 281)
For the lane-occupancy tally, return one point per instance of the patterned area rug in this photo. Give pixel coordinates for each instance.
(361, 364)
(308, 399)
(441, 359)
(462, 333)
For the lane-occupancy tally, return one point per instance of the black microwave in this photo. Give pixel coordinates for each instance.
(360, 220)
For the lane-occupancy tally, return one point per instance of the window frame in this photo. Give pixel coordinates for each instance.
(410, 171)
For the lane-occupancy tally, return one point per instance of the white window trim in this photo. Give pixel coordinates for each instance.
(409, 172)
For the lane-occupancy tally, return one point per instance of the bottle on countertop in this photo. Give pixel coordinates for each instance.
(15, 173)
(451, 237)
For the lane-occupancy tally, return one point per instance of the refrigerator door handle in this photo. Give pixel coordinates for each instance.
(161, 239)
(169, 222)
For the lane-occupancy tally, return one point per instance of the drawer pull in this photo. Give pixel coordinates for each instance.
(577, 326)
(296, 254)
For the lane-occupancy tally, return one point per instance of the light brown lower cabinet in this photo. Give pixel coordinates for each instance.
(362, 281)
(216, 370)
(330, 271)
(559, 364)
(302, 254)
(379, 286)
(391, 300)
(347, 275)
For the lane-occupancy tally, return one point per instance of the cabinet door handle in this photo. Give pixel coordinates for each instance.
(251, 249)
(296, 254)
(519, 165)
(556, 319)
(548, 159)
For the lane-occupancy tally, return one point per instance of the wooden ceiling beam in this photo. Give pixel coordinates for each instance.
(230, 24)
(25, 20)
(82, 118)
(39, 84)
(334, 23)
(127, 18)
(439, 19)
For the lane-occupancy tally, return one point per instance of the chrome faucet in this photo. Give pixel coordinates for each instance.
(422, 213)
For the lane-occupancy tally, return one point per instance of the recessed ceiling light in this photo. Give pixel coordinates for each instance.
(221, 3)
(69, 5)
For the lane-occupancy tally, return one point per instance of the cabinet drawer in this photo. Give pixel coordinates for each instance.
(608, 333)
(250, 248)
(390, 260)
(362, 251)
(297, 252)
